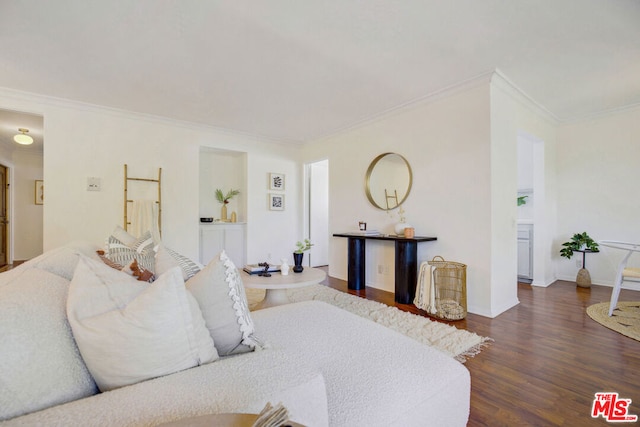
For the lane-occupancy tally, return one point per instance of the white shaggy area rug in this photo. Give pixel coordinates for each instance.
(457, 343)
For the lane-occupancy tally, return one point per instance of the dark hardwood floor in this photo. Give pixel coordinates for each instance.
(548, 359)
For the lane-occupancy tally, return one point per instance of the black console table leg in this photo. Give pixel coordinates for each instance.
(406, 271)
(356, 267)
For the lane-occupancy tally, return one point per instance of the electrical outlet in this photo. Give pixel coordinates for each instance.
(578, 263)
(93, 184)
(380, 269)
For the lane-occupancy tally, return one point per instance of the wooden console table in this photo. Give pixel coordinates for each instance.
(406, 263)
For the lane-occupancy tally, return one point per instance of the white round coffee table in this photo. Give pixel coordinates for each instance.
(276, 286)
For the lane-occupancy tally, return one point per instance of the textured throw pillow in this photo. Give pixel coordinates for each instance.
(142, 251)
(40, 365)
(167, 259)
(124, 236)
(129, 331)
(220, 293)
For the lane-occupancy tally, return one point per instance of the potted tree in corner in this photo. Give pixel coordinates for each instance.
(580, 242)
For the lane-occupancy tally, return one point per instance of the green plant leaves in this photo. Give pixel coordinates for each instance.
(577, 242)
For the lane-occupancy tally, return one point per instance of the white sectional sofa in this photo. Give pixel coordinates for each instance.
(327, 366)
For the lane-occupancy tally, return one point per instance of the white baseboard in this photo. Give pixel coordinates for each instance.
(630, 285)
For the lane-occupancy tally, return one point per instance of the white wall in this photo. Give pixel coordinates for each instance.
(462, 147)
(27, 216)
(504, 184)
(598, 176)
(89, 141)
(521, 117)
(447, 143)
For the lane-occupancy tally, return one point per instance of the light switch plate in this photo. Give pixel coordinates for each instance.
(93, 184)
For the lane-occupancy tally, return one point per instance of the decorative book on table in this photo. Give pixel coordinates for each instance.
(367, 233)
(255, 268)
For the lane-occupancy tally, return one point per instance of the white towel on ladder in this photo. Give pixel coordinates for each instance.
(144, 217)
(426, 291)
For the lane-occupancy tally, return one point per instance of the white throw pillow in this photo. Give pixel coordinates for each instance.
(220, 293)
(40, 365)
(129, 331)
(124, 236)
(167, 258)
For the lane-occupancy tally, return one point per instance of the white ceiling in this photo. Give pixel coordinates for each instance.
(299, 70)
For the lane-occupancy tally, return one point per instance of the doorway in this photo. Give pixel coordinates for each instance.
(4, 216)
(317, 207)
(21, 220)
(531, 215)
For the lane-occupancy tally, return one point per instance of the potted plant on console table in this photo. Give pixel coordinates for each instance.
(298, 254)
(580, 242)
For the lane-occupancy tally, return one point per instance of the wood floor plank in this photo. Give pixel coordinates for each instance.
(548, 359)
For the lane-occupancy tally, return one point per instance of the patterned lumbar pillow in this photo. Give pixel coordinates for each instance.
(124, 236)
(141, 250)
(220, 293)
(129, 331)
(167, 258)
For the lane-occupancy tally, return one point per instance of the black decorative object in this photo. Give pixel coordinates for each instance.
(265, 273)
(297, 258)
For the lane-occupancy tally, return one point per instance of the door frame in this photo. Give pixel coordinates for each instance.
(9, 204)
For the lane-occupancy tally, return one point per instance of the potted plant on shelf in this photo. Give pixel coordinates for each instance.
(224, 199)
(584, 243)
(298, 254)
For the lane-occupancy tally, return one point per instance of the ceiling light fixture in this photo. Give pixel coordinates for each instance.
(22, 137)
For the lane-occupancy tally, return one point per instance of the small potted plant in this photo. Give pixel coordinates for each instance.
(584, 243)
(224, 199)
(298, 254)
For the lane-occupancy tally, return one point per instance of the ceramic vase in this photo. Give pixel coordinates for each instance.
(583, 279)
(284, 267)
(297, 258)
(399, 228)
(223, 212)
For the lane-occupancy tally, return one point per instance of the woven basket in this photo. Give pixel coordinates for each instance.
(450, 282)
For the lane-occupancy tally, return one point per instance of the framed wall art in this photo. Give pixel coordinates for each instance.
(39, 192)
(276, 202)
(276, 181)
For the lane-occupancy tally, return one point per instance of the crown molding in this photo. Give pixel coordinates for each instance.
(473, 82)
(503, 82)
(39, 101)
(601, 114)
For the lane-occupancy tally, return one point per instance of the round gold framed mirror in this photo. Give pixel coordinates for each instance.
(388, 181)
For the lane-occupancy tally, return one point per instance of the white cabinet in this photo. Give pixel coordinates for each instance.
(525, 253)
(216, 237)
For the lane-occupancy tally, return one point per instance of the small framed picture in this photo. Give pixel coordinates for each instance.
(276, 202)
(39, 192)
(276, 181)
